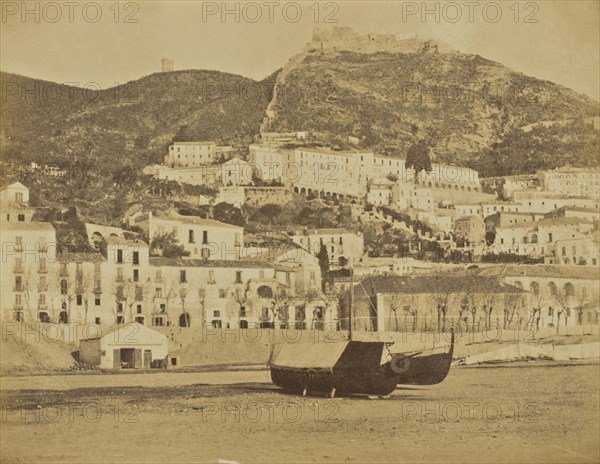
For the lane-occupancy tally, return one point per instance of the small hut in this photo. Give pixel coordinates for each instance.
(132, 346)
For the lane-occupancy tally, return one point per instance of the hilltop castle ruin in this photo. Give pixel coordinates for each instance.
(344, 38)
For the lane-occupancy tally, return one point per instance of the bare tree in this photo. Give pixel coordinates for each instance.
(85, 287)
(511, 304)
(442, 302)
(240, 295)
(53, 289)
(564, 300)
(280, 301)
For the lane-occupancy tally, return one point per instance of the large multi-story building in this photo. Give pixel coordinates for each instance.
(346, 174)
(535, 201)
(190, 154)
(28, 250)
(557, 240)
(203, 238)
(572, 181)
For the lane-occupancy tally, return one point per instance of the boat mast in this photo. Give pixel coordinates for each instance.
(351, 305)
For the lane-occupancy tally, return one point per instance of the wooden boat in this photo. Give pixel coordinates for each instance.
(354, 367)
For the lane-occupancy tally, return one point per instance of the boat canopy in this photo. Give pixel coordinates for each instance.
(339, 355)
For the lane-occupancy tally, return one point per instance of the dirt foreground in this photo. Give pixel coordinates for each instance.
(533, 412)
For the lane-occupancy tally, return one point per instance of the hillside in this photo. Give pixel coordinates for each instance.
(104, 138)
(465, 105)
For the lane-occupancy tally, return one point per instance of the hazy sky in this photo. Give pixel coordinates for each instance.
(562, 46)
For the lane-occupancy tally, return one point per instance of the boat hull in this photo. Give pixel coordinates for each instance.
(426, 370)
(350, 382)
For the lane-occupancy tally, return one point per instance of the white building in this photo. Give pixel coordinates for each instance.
(572, 181)
(190, 154)
(557, 240)
(531, 201)
(28, 250)
(341, 244)
(132, 346)
(380, 192)
(203, 238)
(345, 174)
(14, 201)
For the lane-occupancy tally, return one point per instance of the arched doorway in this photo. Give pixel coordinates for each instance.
(43, 316)
(243, 324)
(63, 318)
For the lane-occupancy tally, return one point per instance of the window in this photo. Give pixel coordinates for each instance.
(79, 299)
(136, 275)
(119, 256)
(139, 293)
(119, 273)
(97, 301)
(158, 292)
(136, 257)
(205, 237)
(182, 277)
(222, 293)
(18, 283)
(261, 274)
(191, 236)
(97, 320)
(211, 276)
(139, 309)
(216, 313)
(238, 277)
(21, 218)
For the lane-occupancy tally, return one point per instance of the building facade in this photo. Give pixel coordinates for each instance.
(203, 238)
(190, 154)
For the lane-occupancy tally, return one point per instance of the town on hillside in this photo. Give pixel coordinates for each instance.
(535, 237)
